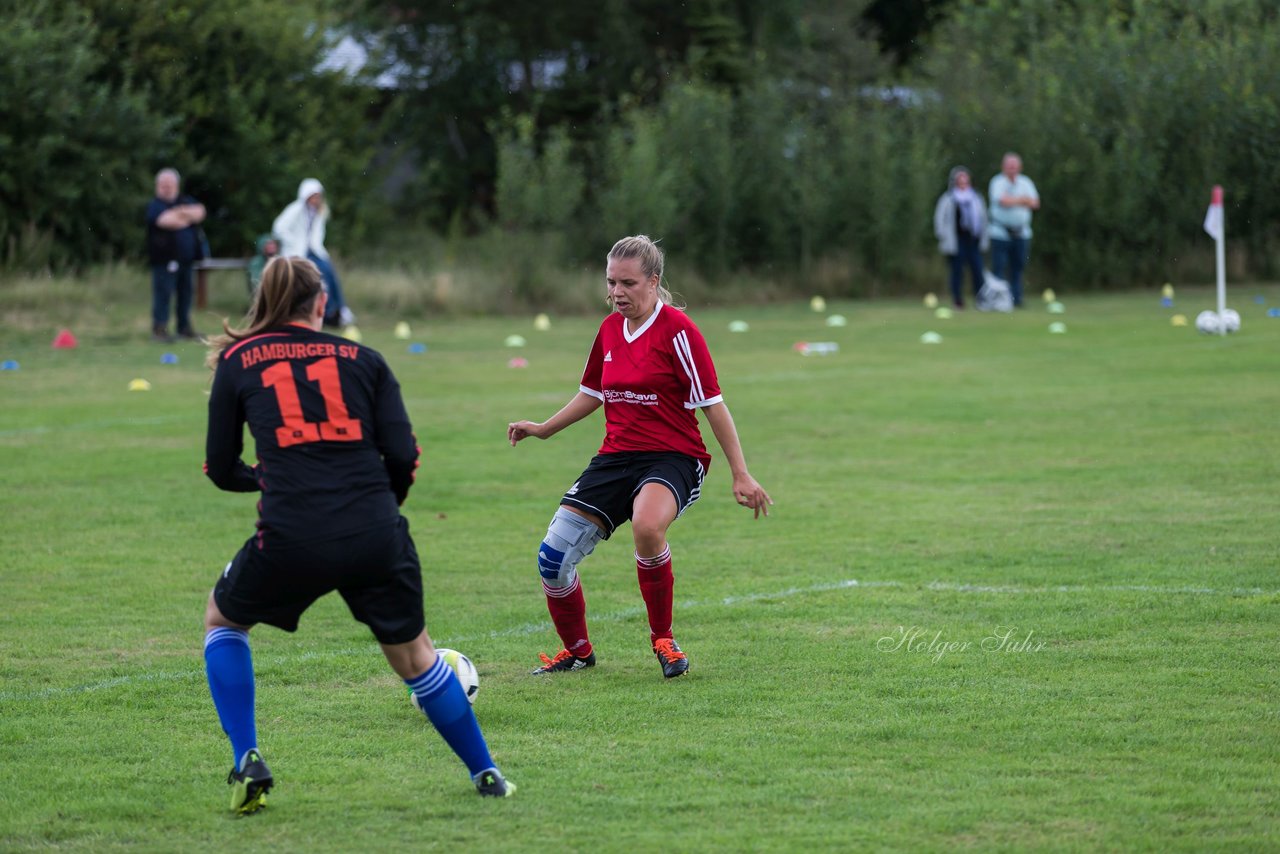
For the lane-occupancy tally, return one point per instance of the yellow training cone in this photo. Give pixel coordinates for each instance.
(542, 323)
(1167, 291)
(351, 333)
(1049, 295)
(1178, 320)
(818, 304)
(403, 332)
(139, 385)
(930, 301)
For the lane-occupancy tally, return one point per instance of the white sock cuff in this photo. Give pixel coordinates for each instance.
(654, 562)
(561, 592)
(431, 680)
(225, 633)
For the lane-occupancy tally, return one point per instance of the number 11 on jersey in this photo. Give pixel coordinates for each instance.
(340, 426)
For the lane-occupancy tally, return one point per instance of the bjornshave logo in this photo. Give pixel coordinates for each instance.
(621, 396)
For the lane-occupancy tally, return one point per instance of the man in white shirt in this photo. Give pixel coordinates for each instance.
(1012, 197)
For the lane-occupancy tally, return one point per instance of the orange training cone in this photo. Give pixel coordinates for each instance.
(64, 340)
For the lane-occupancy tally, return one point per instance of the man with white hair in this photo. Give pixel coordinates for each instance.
(1012, 197)
(173, 243)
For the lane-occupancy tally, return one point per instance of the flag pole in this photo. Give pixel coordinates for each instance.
(1220, 240)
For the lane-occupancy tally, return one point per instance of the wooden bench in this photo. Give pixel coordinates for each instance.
(202, 269)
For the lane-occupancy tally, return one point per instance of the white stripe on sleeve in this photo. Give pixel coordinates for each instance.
(701, 403)
(685, 354)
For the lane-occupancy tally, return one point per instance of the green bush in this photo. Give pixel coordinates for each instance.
(253, 116)
(1125, 138)
(636, 190)
(696, 123)
(76, 148)
(538, 190)
(792, 178)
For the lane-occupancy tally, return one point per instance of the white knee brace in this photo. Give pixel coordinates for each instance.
(569, 539)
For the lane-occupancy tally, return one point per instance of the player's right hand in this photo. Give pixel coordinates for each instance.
(518, 430)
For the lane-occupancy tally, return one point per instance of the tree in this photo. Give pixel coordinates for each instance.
(1124, 140)
(76, 148)
(98, 95)
(902, 27)
(251, 115)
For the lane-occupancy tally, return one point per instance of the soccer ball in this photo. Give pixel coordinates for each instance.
(1209, 323)
(1212, 323)
(463, 669)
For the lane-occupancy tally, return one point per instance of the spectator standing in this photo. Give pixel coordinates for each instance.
(174, 242)
(960, 224)
(1013, 197)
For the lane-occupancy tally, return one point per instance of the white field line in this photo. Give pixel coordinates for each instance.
(526, 629)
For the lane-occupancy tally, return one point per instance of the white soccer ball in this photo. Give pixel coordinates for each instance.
(1230, 319)
(1208, 322)
(463, 669)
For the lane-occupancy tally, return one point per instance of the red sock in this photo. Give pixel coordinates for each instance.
(657, 586)
(569, 613)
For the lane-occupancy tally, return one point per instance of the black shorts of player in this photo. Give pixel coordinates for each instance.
(376, 572)
(609, 485)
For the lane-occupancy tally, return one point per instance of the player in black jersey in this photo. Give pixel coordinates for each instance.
(336, 458)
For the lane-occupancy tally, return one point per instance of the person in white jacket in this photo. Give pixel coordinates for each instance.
(960, 224)
(300, 228)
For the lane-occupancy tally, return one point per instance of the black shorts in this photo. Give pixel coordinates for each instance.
(377, 573)
(609, 485)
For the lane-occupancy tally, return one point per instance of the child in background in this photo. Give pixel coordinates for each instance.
(268, 247)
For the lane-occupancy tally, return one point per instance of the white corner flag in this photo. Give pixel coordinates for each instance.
(1213, 216)
(1213, 223)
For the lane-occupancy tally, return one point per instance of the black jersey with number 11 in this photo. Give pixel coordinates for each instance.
(336, 452)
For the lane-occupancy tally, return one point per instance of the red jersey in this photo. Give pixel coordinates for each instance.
(651, 382)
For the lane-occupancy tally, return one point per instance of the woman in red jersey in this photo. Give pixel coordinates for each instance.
(650, 368)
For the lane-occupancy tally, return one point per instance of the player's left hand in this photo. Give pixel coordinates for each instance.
(748, 493)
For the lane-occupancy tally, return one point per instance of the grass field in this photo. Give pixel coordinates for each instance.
(1105, 501)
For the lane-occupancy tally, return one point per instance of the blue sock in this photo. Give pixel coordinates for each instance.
(441, 696)
(229, 666)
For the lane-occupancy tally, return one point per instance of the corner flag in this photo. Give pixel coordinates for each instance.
(1214, 225)
(1213, 217)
